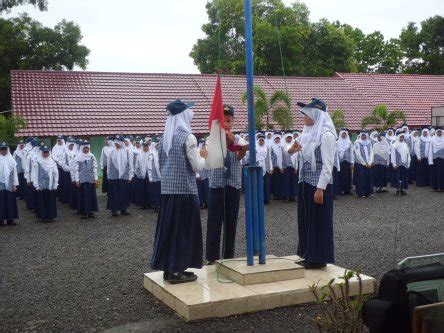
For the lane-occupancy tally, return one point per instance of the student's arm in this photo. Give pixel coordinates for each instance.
(95, 166)
(26, 164)
(393, 158)
(131, 166)
(358, 154)
(430, 157)
(328, 144)
(16, 181)
(417, 149)
(34, 175)
(197, 162)
(101, 158)
(56, 180)
(75, 171)
(371, 155)
(352, 154)
(241, 153)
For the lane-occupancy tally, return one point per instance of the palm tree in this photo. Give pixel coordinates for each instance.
(281, 104)
(278, 108)
(338, 119)
(382, 119)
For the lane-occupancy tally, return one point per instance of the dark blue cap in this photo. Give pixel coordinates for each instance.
(29, 139)
(4, 144)
(44, 148)
(314, 103)
(21, 142)
(35, 143)
(119, 138)
(60, 137)
(177, 106)
(228, 110)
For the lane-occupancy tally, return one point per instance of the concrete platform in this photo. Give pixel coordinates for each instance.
(212, 296)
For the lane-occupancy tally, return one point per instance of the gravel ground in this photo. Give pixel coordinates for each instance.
(86, 275)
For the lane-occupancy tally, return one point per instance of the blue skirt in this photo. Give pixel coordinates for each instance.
(74, 197)
(277, 180)
(423, 173)
(412, 169)
(203, 187)
(267, 188)
(345, 178)
(178, 240)
(336, 187)
(65, 187)
(363, 178)
(132, 190)
(21, 189)
(315, 225)
(155, 194)
(141, 191)
(437, 178)
(47, 205)
(31, 197)
(289, 183)
(400, 178)
(105, 184)
(379, 175)
(118, 195)
(8, 206)
(87, 199)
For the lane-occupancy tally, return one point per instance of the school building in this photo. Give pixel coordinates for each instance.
(96, 104)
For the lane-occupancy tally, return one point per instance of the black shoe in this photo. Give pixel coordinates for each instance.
(313, 265)
(124, 213)
(211, 263)
(348, 193)
(398, 192)
(11, 223)
(84, 217)
(176, 278)
(156, 209)
(403, 193)
(114, 214)
(91, 216)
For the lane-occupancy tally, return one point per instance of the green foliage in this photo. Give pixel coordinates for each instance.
(6, 5)
(27, 44)
(9, 125)
(381, 118)
(311, 48)
(339, 312)
(338, 118)
(278, 108)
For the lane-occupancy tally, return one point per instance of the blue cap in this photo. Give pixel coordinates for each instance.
(228, 110)
(4, 144)
(29, 139)
(314, 103)
(44, 148)
(177, 106)
(60, 137)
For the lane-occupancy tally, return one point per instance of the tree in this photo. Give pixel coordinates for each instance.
(6, 5)
(9, 125)
(261, 108)
(280, 103)
(381, 118)
(27, 44)
(338, 119)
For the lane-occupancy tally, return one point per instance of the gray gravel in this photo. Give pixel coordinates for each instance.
(86, 275)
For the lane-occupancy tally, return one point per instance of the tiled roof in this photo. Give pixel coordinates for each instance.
(100, 103)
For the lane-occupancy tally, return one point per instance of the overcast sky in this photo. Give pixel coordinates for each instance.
(157, 35)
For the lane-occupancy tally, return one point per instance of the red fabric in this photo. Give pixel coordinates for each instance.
(217, 109)
(234, 147)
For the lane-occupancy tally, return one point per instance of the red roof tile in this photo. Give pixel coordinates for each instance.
(99, 103)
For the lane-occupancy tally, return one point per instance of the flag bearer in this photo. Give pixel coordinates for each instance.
(178, 240)
(8, 185)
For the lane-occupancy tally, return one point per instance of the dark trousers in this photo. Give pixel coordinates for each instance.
(217, 217)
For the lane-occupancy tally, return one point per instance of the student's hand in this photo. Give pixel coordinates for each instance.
(369, 165)
(29, 184)
(97, 183)
(230, 137)
(129, 180)
(352, 166)
(204, 152)
(319, 196)
(14, 188)
(77, 184)
(395, 168)
(270, 172)
(281, 170)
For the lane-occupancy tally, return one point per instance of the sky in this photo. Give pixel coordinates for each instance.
(156, 36)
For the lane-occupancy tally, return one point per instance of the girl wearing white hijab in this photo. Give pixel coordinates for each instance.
(381, 160)
(290, 179)
(363, 177)
(401, 162)
(45, 179)
(154, 173)
(64, 164)
(422, 150)
(263, 158)
(86, 179)
(8, 186)
(178, 241)
(109, 145)
(315, 197)
(141, 181)
(373, 137)
(346, 161)
(120, 174)
(436, 160)
(31, 193)
(20, 158)
(413, 159)
(277, 177)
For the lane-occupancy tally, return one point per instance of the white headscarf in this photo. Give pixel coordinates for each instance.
(81, 156)
(268, 142)
(107, 149)
(405, 128)
(390, 138)
(401, 147)
(438, 141)
(119, 157)
(312, 135)
(142, 159)
(277, 150)
(382, 148)
(373, 137)
(175, 123)
(58, 150)
(50, 167)
(365, 143)
(70, 152)
(7, 165)
(343, 144)
(426, 140)
(20, 152)
(261, 155)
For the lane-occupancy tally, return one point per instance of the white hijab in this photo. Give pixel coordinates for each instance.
(312, 135)
(390, 138)
(175, 123)
(268, 142)
(373, 137)
(142, 159)
(365, 143)
(261, 155)
(426, 140)
(382, 148)
(49, 166)
(81, 156)
(7, 165)
(277, 150)
(343, 144)
(402, 148)
(58, 150)
(119, 157)
(438, 141)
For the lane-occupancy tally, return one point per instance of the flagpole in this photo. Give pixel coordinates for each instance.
(254, 204)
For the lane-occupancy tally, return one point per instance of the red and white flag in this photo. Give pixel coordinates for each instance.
(216, 144)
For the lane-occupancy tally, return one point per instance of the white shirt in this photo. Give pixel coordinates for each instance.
(328, 151)
(193, 154)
